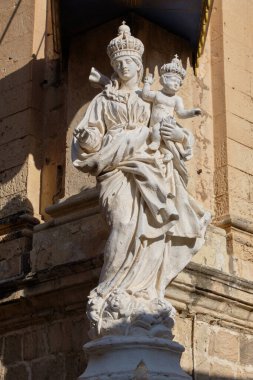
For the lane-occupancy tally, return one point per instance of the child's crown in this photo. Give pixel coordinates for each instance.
(175, 67)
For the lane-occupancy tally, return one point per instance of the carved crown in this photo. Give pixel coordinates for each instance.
(174, 67)
(125, 44)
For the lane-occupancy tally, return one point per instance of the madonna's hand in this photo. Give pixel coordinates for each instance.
(172, 132)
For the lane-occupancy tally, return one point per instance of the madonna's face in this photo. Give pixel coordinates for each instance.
(125, 67)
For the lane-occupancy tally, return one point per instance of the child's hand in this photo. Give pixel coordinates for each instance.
(196, 111)
(149, 79)
(171, 132)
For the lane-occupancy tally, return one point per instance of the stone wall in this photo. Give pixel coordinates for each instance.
(48, 270)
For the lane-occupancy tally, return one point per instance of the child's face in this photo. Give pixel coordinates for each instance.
(171, 83)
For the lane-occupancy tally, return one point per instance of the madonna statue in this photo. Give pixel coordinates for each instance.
(155, 225)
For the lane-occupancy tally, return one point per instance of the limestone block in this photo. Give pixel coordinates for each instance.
(14, 72)
(240, 156)
(237, 18)
(35, 344)
(238, 78)
(239, 129)
(17, 49)
(238, 54)
(77, 240)
(241, 207)
(240, 184)
(58, 337)
(240, 104)
(15, 126)
(218, 100)
(201, 344)
(245, 373)
(240, 250)
(77, 181)
(14, 203)
(224, 344)
(79, 335)
(217, 58)
(16, 99)
(183, 334)
(21, 147)
(22, 23)
(11, 5)
(12, 349)
(19, 371)
(214, 253)
(11, 253)
(13, 180)
(67, 335)
(243, 245)
(246, 349)
(49, 367)
(220, 151)
(74, 365)
(221, 181)
(220, 371)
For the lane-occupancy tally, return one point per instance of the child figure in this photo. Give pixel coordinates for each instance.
(166, 102)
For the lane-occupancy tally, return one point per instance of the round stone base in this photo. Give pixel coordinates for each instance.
(133, 358)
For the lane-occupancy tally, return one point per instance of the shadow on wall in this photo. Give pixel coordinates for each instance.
(32, 129)
(17, 202)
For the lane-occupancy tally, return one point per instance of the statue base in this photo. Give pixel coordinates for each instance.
(133, 358)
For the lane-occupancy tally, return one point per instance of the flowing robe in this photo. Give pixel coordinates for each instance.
(155, 225)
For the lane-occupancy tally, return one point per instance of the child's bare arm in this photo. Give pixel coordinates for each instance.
(182, 112)
(147, 94)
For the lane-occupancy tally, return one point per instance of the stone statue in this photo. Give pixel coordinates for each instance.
(155, 225)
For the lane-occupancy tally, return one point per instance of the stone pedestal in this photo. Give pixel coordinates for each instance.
(133, 358)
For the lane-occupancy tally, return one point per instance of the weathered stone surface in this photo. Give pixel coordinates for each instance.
(12, 204)
(35, 344)
(236, 178)
(240, 130)
(214, 253)
(182, 332)
(85, 239)
(21, 25)
(12, 349)
(20, 372)
(221, 181)
(22, 147)
(246, 349)
(50, 368)
(224, 344)
(221, 371)
(58, 337)
(240, 156)
(13, 180)
(15, 126)
(241, 207)
(74, 365)
(16, 99)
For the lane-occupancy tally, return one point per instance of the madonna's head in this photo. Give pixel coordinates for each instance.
(125, 52)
